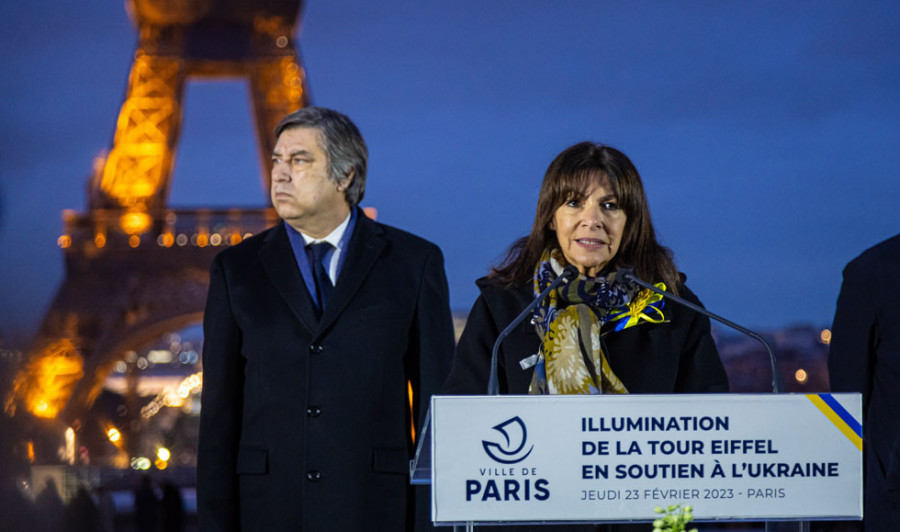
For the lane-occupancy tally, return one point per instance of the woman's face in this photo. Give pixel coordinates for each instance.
(589, 229)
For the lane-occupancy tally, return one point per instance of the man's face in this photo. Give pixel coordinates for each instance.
(302, 193)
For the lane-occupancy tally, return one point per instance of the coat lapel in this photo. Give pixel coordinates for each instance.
(363, 251)
(278, 261)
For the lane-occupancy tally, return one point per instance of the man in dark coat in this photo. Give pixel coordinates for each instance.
(315, 333)
(865, 357)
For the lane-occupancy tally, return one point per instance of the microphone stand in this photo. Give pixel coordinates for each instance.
(568, 273)
(628, 275)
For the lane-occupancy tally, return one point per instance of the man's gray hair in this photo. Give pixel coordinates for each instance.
(342, 143)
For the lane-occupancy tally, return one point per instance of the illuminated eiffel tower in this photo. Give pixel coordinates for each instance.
(135, 268)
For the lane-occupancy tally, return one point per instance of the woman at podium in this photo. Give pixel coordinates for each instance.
(597, 333)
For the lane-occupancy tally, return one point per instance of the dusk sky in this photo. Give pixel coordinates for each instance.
(767, 133)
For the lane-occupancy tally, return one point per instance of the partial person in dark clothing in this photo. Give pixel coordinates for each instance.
(50, 507)
(82, 514)
(146, 506)
(864, 356)
(107, 508)
(173, 508)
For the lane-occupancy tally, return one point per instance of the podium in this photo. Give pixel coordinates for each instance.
(614, 458)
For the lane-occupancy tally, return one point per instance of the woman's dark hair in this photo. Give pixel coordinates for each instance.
(570, 176)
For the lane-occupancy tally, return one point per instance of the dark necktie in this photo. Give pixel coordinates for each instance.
(315, 253)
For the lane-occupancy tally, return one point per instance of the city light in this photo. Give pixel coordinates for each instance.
(163, 454)
(140, 463)
(801, 376)
(170, 397)
(825, 336)
(159, 356)
(166, 240)
(70, 446)
(189, 384)
(135, 222)
(114, 435)
(49, 379)
(412, 422)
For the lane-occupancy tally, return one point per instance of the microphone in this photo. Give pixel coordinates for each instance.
(627, 276)
(569, 272)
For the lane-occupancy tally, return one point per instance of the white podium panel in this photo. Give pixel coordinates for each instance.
(533, 459)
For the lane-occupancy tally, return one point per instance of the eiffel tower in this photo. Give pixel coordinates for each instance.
(134, 267)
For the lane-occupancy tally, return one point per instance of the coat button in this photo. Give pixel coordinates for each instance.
(313, 475)
(315, 348)
(313, 411)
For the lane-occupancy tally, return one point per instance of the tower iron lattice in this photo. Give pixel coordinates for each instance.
(134, 267)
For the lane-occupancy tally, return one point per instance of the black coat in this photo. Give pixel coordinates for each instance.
(678, 356)
(864, 356)
(305, 423)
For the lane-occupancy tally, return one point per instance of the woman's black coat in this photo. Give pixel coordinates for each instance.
(677, 356)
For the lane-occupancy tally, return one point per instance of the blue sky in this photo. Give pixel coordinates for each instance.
(766, 132)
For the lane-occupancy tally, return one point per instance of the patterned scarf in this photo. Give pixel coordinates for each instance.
(571, 360)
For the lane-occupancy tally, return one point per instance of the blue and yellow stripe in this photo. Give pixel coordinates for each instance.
(837, 414)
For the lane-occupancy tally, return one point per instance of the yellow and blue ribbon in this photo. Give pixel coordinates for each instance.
(837, 414)
(646, 306)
